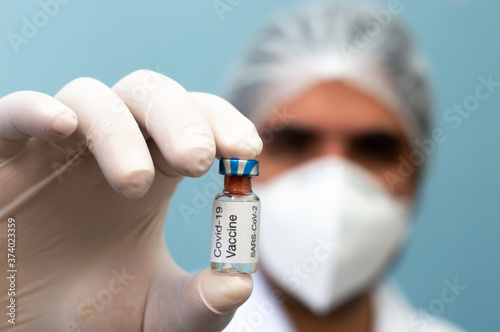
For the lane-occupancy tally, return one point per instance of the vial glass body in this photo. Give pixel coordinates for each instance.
(235, 227)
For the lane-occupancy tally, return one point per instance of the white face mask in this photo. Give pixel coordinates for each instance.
(328, 230)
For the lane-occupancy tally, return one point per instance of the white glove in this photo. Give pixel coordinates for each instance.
(90, 252)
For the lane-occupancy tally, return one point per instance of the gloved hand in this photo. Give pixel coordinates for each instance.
(88, 177)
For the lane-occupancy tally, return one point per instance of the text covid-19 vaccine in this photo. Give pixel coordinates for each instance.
(235, 219)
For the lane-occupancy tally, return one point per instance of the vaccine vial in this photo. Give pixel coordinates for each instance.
(235, 219)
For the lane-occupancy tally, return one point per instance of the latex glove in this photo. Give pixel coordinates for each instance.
(90, 251)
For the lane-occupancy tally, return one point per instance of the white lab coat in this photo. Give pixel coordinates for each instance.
(264, 313)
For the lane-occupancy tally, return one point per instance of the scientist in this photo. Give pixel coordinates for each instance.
(87, 177)
(341, 98)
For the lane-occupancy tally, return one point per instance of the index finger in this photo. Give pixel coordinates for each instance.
(179, 128)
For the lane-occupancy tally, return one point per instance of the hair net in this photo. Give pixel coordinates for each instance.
(361, 44)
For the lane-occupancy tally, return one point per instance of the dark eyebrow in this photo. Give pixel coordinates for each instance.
(297, 133)
(379, 133)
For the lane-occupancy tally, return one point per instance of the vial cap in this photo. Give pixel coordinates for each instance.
(239, 167)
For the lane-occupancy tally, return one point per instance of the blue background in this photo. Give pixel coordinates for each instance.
(457, 228)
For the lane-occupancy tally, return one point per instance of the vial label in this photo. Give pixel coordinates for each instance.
(235, 232)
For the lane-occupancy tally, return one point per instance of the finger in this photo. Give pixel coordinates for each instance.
(210, 299)
(26, 114)
(206, 303)
(166, 111)
(112, 134)
(235, 135)
(221, 293)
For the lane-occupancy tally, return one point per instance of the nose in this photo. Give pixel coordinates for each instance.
(333, 146)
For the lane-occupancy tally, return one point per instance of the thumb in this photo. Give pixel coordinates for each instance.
(210, 299)
(206, 302)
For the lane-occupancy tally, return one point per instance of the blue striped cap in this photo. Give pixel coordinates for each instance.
(239, 167)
